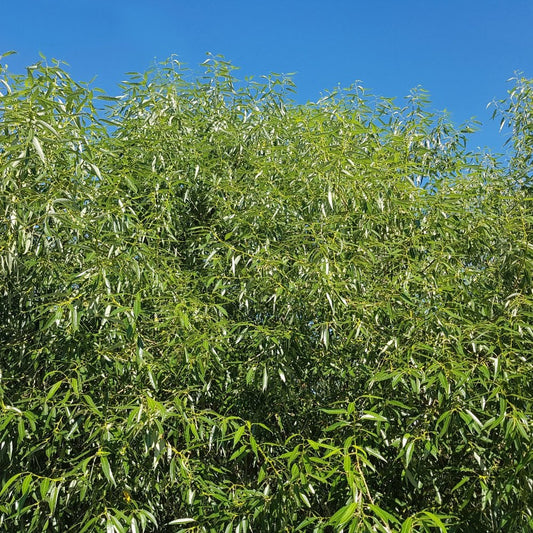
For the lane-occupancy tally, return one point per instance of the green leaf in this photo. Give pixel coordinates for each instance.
(137, 306)
(238, 435)
(435, 520)
(38, 148)
(407, 525)
(26, 484)
(253, 444)
(43, 487)
(92, 405)
(238, 453)
(9, 482)
(384, 515)
(106, 469)
(181, 521)
(53, 390)
(464, 480)
(334, 411)
(265, 379)
(409, 449)
(305, 500)
(52, 496)
(344, 514)
(369, 415)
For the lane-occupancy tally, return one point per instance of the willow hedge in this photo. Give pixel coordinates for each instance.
(223, 311)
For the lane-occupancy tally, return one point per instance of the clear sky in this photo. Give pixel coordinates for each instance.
(461, 51)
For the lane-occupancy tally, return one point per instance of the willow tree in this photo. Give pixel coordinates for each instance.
(224, 311)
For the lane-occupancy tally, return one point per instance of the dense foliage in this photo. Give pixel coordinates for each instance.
(223, 311)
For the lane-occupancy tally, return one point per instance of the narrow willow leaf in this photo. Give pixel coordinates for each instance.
(52, 496)
(137, 306)
(344, 514)
(407, 525)
(305, 500)
(409, 449)
(53, 389)
(265, 379)
(435, 520)
(38, 148)
(9, 482)
(92, 405)
(236, 454)
(106, 469)
(26, 484)
(384, 515)
(369, 415)
(238, 435)
(43, 487)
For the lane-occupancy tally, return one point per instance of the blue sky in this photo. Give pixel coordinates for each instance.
(461, 51)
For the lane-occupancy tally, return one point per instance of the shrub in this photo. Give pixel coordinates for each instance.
(224, 311)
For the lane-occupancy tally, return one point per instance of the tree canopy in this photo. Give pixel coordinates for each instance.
(223, 311)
